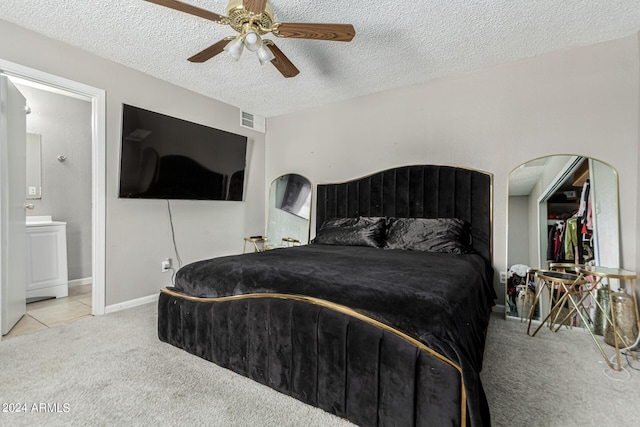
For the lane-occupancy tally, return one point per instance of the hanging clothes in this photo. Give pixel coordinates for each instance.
(562, 228)
(555, 247)
(589, 218)
(584, 198)
(551, 239)
(585, 229)
(571, 239)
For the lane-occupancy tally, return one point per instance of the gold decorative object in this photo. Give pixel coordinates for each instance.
(623, 312)
(238, 16)
(602, 298)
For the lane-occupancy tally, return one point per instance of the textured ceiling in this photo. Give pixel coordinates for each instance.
(397, 43)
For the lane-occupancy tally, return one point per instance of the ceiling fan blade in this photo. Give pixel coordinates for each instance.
(209, 52)
(255, 6)
(281, 62)
(332, 32)
(187, 8)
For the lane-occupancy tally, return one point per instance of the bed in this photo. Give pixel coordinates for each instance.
(372, 321)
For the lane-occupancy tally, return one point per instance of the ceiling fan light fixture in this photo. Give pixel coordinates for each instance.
(265, 55)
(254, 19)
(235, 48)
(252, 41)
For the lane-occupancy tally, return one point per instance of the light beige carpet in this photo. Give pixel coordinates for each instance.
(555, 379)
(112, 370)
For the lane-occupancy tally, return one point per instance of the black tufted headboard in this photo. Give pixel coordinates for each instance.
(423, 191)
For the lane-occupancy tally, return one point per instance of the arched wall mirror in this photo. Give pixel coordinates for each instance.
(289, 211)
(561, 209)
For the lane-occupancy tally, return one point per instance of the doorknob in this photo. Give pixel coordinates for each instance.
(29, 206)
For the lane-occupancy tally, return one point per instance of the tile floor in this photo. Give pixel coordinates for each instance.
(54, 312)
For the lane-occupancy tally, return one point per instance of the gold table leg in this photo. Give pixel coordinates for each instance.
(542, 284)
(576, 309)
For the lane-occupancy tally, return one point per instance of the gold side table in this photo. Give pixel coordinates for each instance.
(528, 299)
(255, 240)
(604, 275)
(290, 241)
(563, 287)
(578, 292)
(567, 267)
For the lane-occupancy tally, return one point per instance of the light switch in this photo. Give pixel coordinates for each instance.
(32, 191)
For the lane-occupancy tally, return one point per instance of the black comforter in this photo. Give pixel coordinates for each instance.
(441, 299)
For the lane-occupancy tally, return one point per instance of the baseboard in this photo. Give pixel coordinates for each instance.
(131, 303)
(80, 282)
(498, 308)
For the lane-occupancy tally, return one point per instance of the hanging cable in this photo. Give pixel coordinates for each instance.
(173, 237)
(626, 355)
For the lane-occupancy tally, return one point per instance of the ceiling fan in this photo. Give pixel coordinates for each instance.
(253, 19)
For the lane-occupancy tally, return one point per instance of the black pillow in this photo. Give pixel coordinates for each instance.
(449, 235)
(360, 231)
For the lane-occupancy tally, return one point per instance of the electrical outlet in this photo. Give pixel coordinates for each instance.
(166, 265)
(503, 277)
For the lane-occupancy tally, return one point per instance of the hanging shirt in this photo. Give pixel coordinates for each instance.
(571, 239)
(584, 198)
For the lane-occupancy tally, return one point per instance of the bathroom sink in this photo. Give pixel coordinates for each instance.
(39, 220)
(32, 219)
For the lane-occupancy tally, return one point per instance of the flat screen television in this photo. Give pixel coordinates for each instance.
(164, 157)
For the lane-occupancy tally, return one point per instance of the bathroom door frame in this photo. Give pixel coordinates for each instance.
(97, 97)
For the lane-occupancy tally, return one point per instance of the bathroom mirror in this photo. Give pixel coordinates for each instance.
(289, 211)
(548, 196)
(34, 166)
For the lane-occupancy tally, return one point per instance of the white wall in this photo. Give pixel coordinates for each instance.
(518, 244)
(138, 231)
(623, 230)
(584, 100)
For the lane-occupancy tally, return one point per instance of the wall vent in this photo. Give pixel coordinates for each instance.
(252, 121)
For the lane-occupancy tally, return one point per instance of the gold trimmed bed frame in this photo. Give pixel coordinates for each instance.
(185, 312)
(344, 310)
(332, 356)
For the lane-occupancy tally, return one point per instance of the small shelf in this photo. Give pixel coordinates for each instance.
(562, 204)
(581, 175)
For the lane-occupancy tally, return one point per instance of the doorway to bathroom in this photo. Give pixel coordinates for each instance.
(68, 120)
(58, 193)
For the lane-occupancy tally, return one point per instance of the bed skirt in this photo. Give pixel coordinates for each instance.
(320, 353)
